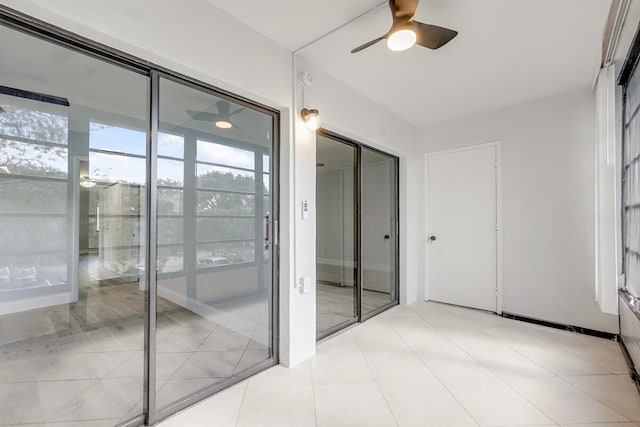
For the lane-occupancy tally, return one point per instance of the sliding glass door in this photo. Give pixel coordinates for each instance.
(336, 235)
(138, 235)
(357, 232)
(214, 249)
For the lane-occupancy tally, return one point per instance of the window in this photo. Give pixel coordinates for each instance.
(33, 195)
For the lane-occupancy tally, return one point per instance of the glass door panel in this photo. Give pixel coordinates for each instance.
(215, 228)
(379, 205)
(72, 207)
(336, 227)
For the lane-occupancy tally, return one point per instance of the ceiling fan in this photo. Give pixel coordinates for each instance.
(405, 32)
(222, 118)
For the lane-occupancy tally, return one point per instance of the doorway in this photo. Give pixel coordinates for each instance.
(462, 241)
(357, 232)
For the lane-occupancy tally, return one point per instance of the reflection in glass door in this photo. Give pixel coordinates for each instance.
(137, 226)
(214, 243)
(72, 197)
(336, 227)
(356, 232)
(378, 230)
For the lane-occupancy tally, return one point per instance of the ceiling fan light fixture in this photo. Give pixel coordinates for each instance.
(401, 40)
(223, 124)
(311, 118)
(86, 182)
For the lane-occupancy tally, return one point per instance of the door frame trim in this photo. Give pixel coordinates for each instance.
(498, 166)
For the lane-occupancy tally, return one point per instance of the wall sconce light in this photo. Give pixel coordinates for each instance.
(311, 118)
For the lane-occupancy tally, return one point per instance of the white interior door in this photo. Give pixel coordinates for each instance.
(462, 227)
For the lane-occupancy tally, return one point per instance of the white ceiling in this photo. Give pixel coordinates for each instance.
(293, 24)
(508, 51)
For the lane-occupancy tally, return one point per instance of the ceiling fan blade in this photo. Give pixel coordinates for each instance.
(402, 10)
(367, 44)
(432, 36)
(223, 107)
(202, 115)
(237, 111)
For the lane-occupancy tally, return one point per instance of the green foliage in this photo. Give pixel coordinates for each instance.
(25, 158)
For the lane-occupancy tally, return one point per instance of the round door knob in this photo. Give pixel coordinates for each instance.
(432, 238)
(386, 237)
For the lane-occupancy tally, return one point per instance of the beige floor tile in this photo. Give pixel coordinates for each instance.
(390, 367)
(601, 425)
(562, 402)
(277, 406)
(618, 394)
(506, 362)
(560, 361)
(282, 376)
(424, 403)
(471, 338)
(512, 335)
(379, 338)
(223, 408)
(605, 356)
(405, 322)
(351, 405)
(449, 361)
(494, 403)
(339, 344)
(350, 368)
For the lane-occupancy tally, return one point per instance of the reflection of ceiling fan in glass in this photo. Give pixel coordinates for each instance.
(222, 118)
(86, 182)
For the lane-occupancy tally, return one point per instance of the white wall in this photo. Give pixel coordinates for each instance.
(548, 203)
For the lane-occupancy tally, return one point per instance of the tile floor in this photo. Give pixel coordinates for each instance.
(335, 304)
(430, 364)
(81, 364)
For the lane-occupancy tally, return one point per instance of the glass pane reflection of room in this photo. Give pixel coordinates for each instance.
(73, 240)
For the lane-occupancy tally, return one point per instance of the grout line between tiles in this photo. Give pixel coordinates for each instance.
(433, 373)
(496, 376)
(244, 394)
(553, 375)
(376, 380)
(595, 397)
